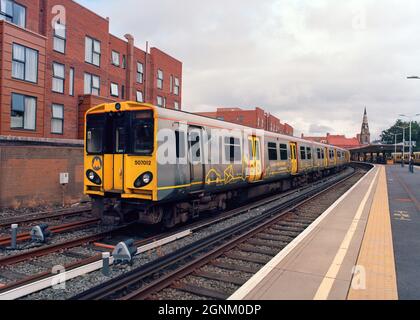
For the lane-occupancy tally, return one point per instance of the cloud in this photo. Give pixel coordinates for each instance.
(314, 63)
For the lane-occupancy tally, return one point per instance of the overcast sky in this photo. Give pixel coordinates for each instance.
(313, 63)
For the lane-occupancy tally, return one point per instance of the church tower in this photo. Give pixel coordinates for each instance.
(365, 134)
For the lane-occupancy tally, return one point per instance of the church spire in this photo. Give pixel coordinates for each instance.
(365, 133)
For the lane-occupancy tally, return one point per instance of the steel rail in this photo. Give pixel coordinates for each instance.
(4, 241)
(4, 223)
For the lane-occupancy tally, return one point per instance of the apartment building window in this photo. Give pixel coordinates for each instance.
(23, 113)
(160, 79)
(176, 105)
(92, 84)
(124, 61)
(60, 38)
(114, 89)
(93, 51)
(160, 101)
(58, 77)
(139, 72)
(122, 92)
(176, 86)
(13, 12)
(139, 96)
(115, 58)
(171, 84)
(71, 82)
(25, 63)
(57, 119)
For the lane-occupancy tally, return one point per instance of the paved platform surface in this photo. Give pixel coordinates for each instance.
(346, 254)
(404, 202)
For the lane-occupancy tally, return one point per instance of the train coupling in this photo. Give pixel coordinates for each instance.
(124, 251)
(40, 233)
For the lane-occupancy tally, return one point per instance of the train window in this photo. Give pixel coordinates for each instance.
(302, 153)
(194, 139)
(180, 144)
(95, 140)
(272, 151)
(143, 132)
(283, 152)
(95, 133)
(120, 140)
(232, 149)
(309, 153)
(318, 153)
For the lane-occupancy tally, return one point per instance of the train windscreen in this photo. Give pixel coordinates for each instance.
(95, 133)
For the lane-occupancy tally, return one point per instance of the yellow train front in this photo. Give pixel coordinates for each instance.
(154, 165)
(398, 157)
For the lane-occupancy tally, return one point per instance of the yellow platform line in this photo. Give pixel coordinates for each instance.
(377, 280)
(328, 281)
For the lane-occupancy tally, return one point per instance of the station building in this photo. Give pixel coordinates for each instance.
(58, 58)
(256, 118)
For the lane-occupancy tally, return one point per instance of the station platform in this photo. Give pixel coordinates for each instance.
(364, 247)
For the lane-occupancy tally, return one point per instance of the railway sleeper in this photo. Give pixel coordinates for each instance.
(203, 292)
(219, 277)
(235, 267)
(254, 249)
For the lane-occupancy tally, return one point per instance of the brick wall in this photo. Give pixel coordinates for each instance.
(30, 174)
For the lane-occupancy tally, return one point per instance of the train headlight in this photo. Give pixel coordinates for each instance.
(143, 180)
(93, 177)
(147, 178)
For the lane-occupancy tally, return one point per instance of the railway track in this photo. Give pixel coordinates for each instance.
(42, 216)
(214, 267)
(4, 241)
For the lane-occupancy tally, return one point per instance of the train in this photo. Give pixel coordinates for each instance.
(398, 157)
(159, 166)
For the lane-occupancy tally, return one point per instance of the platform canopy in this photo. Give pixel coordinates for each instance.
(376, 148)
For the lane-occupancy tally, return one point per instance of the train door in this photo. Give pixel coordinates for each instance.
(195, 154)
(326, 157)
(254, 162)
(114, 156)
(293, 158)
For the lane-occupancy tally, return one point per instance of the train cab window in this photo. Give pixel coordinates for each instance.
(283, 152)
(94, 140)
(302, 153)
(143, 132)
(318, 153)
(95, 133)
(272, 151)
(309, 153)
(232, 149)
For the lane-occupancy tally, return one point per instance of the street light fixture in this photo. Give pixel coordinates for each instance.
(403, 152)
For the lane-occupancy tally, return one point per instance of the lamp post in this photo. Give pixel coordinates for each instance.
(395, 153)
(403, 151)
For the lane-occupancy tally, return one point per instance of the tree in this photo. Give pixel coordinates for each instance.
(388, 136)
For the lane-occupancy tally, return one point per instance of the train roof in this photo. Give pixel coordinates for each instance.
(181, 115)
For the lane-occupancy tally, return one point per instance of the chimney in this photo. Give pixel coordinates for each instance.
(130, 67)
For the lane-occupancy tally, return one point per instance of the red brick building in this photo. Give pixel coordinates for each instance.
(335, 140)
(257, 118)
(57, 59)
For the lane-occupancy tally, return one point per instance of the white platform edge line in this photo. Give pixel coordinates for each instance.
(74, 273)
(243, 291)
